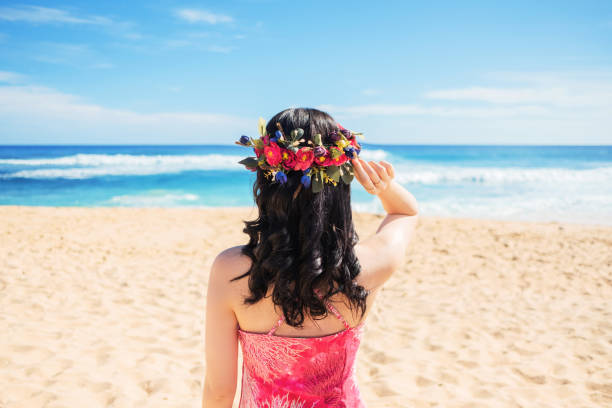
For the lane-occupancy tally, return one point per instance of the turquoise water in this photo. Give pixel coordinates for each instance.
(544, 183)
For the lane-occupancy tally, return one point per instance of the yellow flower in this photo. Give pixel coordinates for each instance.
(342, 143)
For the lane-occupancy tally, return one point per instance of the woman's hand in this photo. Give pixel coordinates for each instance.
(374, 177)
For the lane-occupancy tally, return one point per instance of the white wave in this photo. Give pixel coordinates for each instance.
(499, 175)
(125, 159)
(153, 200)
(583, 209)
(376, 154)
(96, 165)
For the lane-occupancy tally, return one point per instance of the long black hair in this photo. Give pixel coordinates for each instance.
(304, 243)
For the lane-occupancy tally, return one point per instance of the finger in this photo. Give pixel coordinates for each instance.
(381, 171)
(359, 172)
(368, 166)
(362, 175)
(389, 168)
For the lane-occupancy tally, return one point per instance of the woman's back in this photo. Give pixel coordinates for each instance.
(291, 371)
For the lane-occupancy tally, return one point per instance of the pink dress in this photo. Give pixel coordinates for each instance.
(300, 372)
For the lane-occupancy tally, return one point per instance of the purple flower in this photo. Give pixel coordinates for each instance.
(305, 180)
(244, 140)
(334, 136)
(350, 152)
(319, 151)
(280, 177)
(347, 133)
(274, 139)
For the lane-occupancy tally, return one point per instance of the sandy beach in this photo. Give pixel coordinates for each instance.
(104, 307)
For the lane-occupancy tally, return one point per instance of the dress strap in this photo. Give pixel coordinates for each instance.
(334, 311)
(276, 326)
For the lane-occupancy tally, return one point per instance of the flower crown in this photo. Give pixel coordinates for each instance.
(319, 162)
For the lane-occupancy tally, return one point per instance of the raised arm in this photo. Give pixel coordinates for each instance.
(384, 252)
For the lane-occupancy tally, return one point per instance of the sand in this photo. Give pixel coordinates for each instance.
(105, 307)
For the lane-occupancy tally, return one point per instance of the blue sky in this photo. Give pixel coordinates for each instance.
(166, 72)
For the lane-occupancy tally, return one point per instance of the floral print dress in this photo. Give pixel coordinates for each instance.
(300, 372)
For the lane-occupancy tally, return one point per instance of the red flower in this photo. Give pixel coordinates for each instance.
(288, 158)
(341, 159)
(273, 154)
(324, 160)
(303, 159)
(258, 152)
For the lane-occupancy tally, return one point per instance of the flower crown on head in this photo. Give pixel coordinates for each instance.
(325, 159)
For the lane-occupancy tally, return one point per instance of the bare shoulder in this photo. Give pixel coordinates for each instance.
(228, 264)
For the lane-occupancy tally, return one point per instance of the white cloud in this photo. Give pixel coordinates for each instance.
(567, 95)
(500, 95)
(203, 16)
(37, 14)
(103, 65)
(419, 110)
(520, 108)
(220, 49)
(47, 15)
(371, 92)
(75, 55)
(10, 77)
(33, 114)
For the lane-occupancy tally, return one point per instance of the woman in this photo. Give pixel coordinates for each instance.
(297, 295)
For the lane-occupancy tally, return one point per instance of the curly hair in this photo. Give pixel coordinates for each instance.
(300, 244)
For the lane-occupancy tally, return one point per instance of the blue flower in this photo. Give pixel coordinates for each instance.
(244, 140)
(350, 152)
(280, 177)
(305, 180)
(274, 139)
(278, 134)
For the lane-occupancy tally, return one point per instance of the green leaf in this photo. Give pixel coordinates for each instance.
(347, 173)
(299, 132)
(333, 172)
(317, 183)
(317, 139)
(258, 143)
(249, 162)
(335, 153)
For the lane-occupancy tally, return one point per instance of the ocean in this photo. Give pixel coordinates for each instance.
(526, 183)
